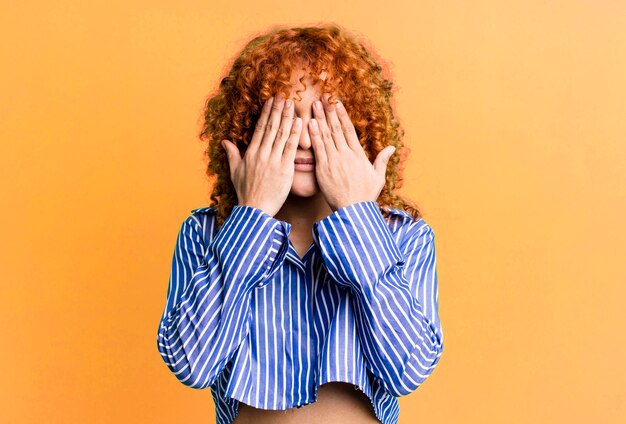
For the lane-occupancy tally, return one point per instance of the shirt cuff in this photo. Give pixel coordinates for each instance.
(251, 246)
(357, 245)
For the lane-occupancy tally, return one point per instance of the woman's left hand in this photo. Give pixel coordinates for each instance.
(344, 173)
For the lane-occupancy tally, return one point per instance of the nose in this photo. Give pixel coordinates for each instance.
(305, 138)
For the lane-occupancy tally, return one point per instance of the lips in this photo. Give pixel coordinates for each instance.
(305, 160)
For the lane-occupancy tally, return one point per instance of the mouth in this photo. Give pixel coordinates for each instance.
(304, 165)
(308, 161)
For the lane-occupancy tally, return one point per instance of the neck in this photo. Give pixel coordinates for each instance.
(302, 212)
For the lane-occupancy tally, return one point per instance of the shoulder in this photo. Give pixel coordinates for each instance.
(206, 210)
(199, 220)
(401, 219)
(410, 233)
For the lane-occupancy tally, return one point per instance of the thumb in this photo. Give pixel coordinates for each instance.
(232, 152)
(380, 164)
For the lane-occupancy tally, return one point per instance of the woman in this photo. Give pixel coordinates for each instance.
(307, 292)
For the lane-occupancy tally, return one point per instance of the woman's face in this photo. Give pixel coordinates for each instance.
(304, 181)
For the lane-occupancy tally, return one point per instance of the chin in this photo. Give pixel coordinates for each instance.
(304, 185)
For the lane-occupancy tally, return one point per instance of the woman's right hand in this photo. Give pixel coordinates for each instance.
(264, 176)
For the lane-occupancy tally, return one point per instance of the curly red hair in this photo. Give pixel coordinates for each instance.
(264, 68)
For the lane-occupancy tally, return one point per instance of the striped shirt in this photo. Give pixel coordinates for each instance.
(249, 318)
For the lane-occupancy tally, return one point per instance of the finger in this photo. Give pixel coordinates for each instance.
(322, 128)
(319, 147)
(382, 160)
(334, 125)
(259, 129)
(348, 128)
(284, 131)
(291, 146)
(273, 124)
(232, 154)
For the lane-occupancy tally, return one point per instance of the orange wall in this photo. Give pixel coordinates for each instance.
(515, 114)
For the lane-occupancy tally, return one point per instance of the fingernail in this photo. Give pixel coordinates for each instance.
(288, 103)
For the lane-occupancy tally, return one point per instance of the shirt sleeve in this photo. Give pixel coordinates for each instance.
(206, 316)
(395, 291)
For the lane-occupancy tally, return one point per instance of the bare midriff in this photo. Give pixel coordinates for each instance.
(337, 402)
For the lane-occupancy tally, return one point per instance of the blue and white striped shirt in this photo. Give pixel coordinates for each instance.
(246, 316)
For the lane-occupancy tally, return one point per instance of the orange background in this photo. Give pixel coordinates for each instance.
(514, 112)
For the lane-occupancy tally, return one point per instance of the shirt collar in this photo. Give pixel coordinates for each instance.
(212, 210)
